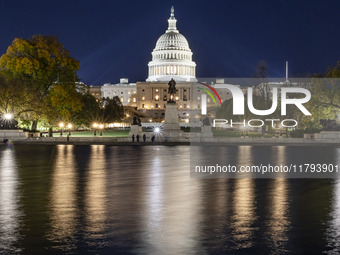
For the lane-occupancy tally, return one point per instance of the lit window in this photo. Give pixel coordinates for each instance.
(177, 98)
(134, 100)
(122, 99)
(129, 92)
(143, 98)
(157, 97)
(156, 90)
(129, 100)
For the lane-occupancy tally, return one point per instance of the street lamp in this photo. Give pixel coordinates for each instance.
(61, 125)
(8, 120)
(156, 132)
(95, 125)
(101, 126)
(8, 116)
(69, 129)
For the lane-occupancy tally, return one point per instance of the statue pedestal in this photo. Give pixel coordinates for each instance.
(135, 130)
(206, 134)
(171, 130)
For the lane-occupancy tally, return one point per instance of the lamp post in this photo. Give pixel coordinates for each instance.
(95, 125)
(69, 129)
(61, 125)
(101, 126)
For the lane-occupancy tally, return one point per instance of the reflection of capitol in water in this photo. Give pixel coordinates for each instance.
(162, 208)
(131, 200)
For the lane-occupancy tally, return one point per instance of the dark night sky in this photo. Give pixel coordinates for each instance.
(114, 39)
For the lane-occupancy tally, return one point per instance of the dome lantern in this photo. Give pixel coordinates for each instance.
(172, 22)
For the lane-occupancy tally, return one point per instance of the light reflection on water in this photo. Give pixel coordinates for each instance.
(170, 200)
(9, 202)
(333, 235)
(141, 200)
(244, 215)
(278, 221)
(63, 202)
(96, 194)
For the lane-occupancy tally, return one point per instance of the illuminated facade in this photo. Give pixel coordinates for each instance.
(124, 90)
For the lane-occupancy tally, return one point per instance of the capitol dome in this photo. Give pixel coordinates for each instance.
(172, 41)
(172, 57)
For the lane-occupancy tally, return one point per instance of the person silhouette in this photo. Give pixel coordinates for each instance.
(144, 138)
(133, 138)
(137, 137)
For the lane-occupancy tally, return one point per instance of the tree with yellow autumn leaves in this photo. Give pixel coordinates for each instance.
(38, 81)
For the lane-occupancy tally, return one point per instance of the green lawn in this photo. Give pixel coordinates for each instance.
(106, 133)
(230, 133)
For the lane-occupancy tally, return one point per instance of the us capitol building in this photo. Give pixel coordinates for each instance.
(171, 58)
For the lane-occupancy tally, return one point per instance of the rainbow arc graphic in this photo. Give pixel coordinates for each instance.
(209, 93)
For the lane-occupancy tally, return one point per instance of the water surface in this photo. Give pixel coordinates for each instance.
(140, 200)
